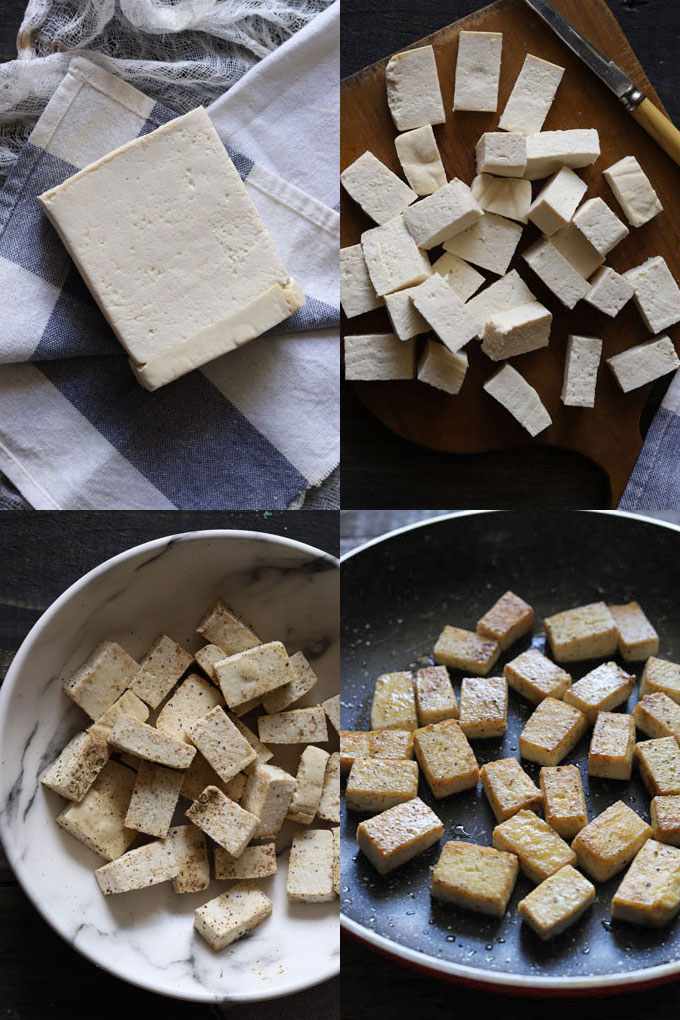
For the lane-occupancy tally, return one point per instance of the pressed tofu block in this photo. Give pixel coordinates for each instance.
(547, 151)
(551, 732)
(373, 186)
(564, 804)
(609, 292)
(557, 903)
(503, 153)
(393, 258)
(600, 225)
(298, 726)
(509, 619)
(309, 782)
(490, 243)
(232, 915)
(253, 673)
(189, 289)
(465, 650)
(506, 196)
(72, 774)
(223, 820)
(137, 869)
(657, 294)
(225, 628)
(580, 371)
(135, 737)
(357, 293)
(438, 217)
(611, 746)
(101, 679)
(604, 688)
(587, 632)
(607, 844)
(665, 813)
(463, 279)
(509, 789)
(305, 679)
(657, 715)
(310, 867)
(268, 794)
(661, 676)
(555, 204)
(221, 744)
(160, 669)
(446, 758)
(191, 855)
(435, 697)
(329, 804)
(578, 251)
(535, 677)
(154, 799)
(532, 96)
(406, 320)
(508, 292)
(478, 69)
(633, 191)
(395, 836)
(445, 312)
(517, 331)
(518, 397)
(475, 877)
(637, 638)
(644, 363)
(483, 707)
(659, 764)
(394, 703)
(540, 850)
(413, 93)
(556, 272)
(441, 368)
(375, 785)
(420, 160)
(254, 862)
(97, 820)
(649, 894)
(193, 699)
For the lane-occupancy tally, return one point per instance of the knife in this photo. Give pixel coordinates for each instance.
(650, 117)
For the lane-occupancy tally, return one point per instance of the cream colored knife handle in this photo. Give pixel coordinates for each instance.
(659, 127)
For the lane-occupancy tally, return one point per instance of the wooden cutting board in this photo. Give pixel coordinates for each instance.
(473, 422)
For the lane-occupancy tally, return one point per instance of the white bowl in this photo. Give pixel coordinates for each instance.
(288, 591)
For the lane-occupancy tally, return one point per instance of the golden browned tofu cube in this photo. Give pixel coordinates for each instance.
(508, 788)
(608, 843)
(649, 894)
(475, 877)
(535, 677)
(435, 698)
(637, 638)
(446, 758)
(509, 619)
(394, 703)
(611, 746)
(602, 689)
(557, 903)
(658, 716)
(375, 785)
(659, 764)
(564, 805)
(392, 744)
(587, 632)
(463, 649)
(393, 837)
(540, 850)
(483, 707)
(353, 744)
(660, 675)
(551, 732)
(665, 812)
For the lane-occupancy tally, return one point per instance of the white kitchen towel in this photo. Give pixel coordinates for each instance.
(249, 431)
(655, 481)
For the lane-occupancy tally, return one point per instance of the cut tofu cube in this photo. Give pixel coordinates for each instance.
(657, 294)
(379, 357)
(508, 292)
(380, 193)
(556, 272)
(489, 243)
(375, 785)
(556, 203)
(551, 732)
(665, 814)
(509, 789)
(506, 196)
(329, 805)
(483, 707)
(580, 371)
(353, 744)
(420, 160)
(659, 764)
(310, 867)
(357, 293)
(394, 703)
(517, 396)
(72, 774)
(609, 292)
(223, 627)
(207, 657)
(564, 804)
(478, 69)
(393, 258)
(657, 715)
(406, 320)
(255, 862)
(463, 279)
(547, 151)
(535, 677)
(503, 153)
(600, 225)
(201, 774)
(649, 894)
(540, 850)
(137, 869)
(442, 368)
(331, 707)
(232, 915)
(607, 844)
(128, 703)
(446, 758)
(587, 632)
(223, 820)
(578, 252)
(465, 650)
(299, 726)
(633, 191)
(261, 750)
(444, 312)
(97, 820)
(193, 699)
(221, 744)
(309, 782)
(605, 687)
(435, 697)
(191, 854)
(611, 746)
(557, 903)
(644, 363)
(517, 331)
(395, 836)
(413, 93)
(253, 672)
(154, 799)
(101, 679)
(160, 669)
(336, 860)
(305, 679)
(509, 619)
(440, 216)
(476, 878)
(390, 744)
(135, 737)
(532, 96)
(661, 676)
(637, 638)
(268, 795)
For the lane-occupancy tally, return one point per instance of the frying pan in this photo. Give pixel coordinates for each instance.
(397, 593)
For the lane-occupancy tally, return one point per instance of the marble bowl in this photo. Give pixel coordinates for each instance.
(288, 591)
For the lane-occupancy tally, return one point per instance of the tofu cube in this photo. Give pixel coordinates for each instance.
(221, 626)
(261, 750)
(253, 672)
(310, 867)
(137, 869)
(435, 698)
(329, 805)
(394, 703)
(502, 153)
(440, 216)
(193, 699)
(483, 707)
(232, 915)
(509, 619)
(659, 764)
(413, 93)
(135, 737)
(665, 812)
(478, 68)
(600, 225)
(658, 716)
(72, 774)
(607, 844)
(649, 894)
(207, 657)
(331, 707)
(282, 697)
(602, 689)
(547, 151)
(490, 243)
(557, 903)
(580, 371)
(376, 785)
(154, 799)
(609, 291)
(357, 294)
(373, 186)
(160, 669)
(551, 732)
(555, 204)
(388, 744)
(517, 331)
(394, 261)
(298, 726)
(611, 746)
(442, 368)
(101, 679)
(191, 854)
(221, 744)
(476, 878)
(201, 774)
(465, 650)
(444, 312)
(518, 397)
(633, 190)
(223, 820)
(587, 632)
(540, 850)
(509, 789)
(309, 783)
(535, 677)
(407, 322)
(564, 804)
(532, 96)
(336, 860)
(420, 160)
(98, 819)
(446, 758)
(395, 836)
(128, 703)
(254, 862)
(353, 744)
(642, 364)
(506, 196)
(637, 638)
(463, 280)
(661, 677)
(657, 294)
(267, 795)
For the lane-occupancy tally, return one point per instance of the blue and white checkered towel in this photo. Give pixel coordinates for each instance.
(655, 482)
(248, 431)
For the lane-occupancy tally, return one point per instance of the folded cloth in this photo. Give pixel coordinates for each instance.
(251, 430)
(655, 481)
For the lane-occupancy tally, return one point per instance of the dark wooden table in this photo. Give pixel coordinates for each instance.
(42, 553)
(379, 469)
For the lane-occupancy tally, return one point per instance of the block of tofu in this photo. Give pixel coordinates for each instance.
(535, 677)
(473, 877)
(435, 697)
(551, 732)
(463, 279)
(633, 191)
(253, 672)
(644, 363)
(506, 196)
(373, 186)
(446, 758)
(379, 357)
(465, 650)
(540, 850)
(255, 862)
(637, 638)
(557, 903)
(443, 310)
(137, 869)
(502, 153)
(176, 287)
(226, 629)
(420, 160)
(331, 707)
(394, 703)
(101, 679)
(509, 789)
(609, 291)
(556, 202)
(353, 744)
(128, 703)
(232, 915)
(440, 216)
(207, 657)
(154, 799)
(657, 715)
(656, 293)
(578, 251)
(508, 292)
(357, 293)
(587, 632)
(310, 867)
(441, 368)
(611, 746)
(144, 741)
(329, 805)
(305, 678)
(564, 804)
(191, 854)
(376, 784)
(483, 707)
(261, 750)
(556, 272)
(658, 762)
(547, 151)
(72, 774)
(225, 821)
(532, 96)
(222, 744)
(393, 258)
(336, 860)
(665, 814)
(97, 820)
(193, 699)
(600, 225)
(517, 331)
(406, 320)
(160, 669)
(661, 676)
(413, 93)
(604, 688)
(607, 844)
(649, 894)
(580, 371)
(395, 836)
(478, 69)
(519, 397)
(201, 774)
(509, 619)
(393, 744)
(298, 726)
(268, 794)
(490, 243)
(309, 782)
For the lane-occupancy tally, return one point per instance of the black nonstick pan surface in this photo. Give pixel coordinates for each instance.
(397, 593)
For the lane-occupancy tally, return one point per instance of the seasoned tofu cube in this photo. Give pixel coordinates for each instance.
(661, 676)
(135, 737)
(191, 853)
(331, 707)
(391, 744)
(658, 716)
(508, 788)
(540, 850)
(649, 894)
(484, 707)
(223, 820)
(298, 726)
(475, 877)
(535, 677)
(435, 698)
(564, 804)
(267, 794)
(261, 750)
(72, 774)
(587, 632)
(602, 689)
(394, 703)
(222, 627)
(353, 744)
(310, 867)
(659, 764)
(305, 678)
(309, 783)
(329, 805)
(611, 746)
(128, 703)
(221, 744)
(207, 657)
(465, 650)
(101, 679)
(557, 903)
(509, 619)
(254, 862)
(446, 758)
(395, 836)
(97, 820)
(375, 785)
(154, 799)
(137, 869)
(193, 699)
(253, 673)
(665, 812)
(551, 732)
(607, 844)
(201, 774)
(637, 638)
(160, 669)
(232, 915)
(336, 860)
